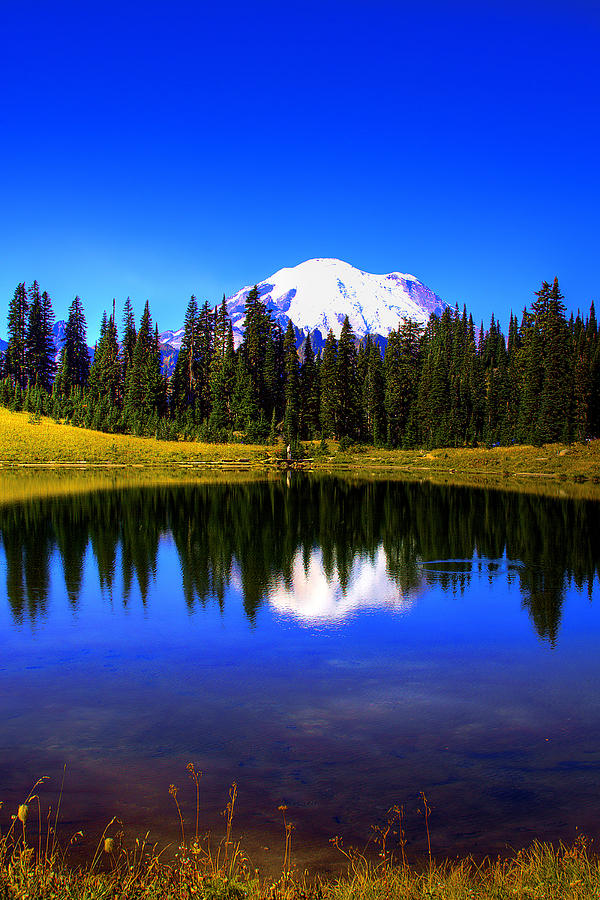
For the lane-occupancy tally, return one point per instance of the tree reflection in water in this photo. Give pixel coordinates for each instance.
(268, 533)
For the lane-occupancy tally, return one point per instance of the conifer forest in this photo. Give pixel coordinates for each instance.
(448, 384)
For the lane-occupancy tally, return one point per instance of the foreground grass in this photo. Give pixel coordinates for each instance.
(33, 865)
(568, 470)
(539, 873)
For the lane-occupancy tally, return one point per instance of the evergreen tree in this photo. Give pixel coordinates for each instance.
(221, 328)
(434, 383)
(529, 366)
(16, 357)
(593, 343)
(74, 367)
(581, 386)
(49, 352)
(222, 373)
(129, 337)
(274, 374)
(373, 410)
(186, 375)
(106, 374)
(348, 392)
(309, 392)
(205, 334)
(292, 385)
(402, 366)
(39, 345)
(554, 419)
(473, 386)
(244, 406)
(329, 387)
(257, 334)
(145, 386)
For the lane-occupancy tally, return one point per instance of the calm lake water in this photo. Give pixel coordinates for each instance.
(334, 646)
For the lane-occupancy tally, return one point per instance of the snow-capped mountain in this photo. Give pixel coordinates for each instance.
(317, 295)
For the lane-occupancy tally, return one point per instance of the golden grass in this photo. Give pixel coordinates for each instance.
(558, 469)
(25, 442)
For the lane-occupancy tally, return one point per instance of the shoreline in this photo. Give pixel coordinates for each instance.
(32, 448)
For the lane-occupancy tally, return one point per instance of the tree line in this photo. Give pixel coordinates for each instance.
(444, 384)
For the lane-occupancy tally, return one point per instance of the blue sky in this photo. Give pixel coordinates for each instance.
(155, 150)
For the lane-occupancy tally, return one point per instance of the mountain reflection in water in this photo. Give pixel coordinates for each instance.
(333, 645)
(317, 549)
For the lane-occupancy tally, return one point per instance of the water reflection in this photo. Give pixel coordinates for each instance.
(332, 645)
(311, 596)
(317, 549)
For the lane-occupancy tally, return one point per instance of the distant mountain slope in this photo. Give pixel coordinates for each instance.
(58, 336)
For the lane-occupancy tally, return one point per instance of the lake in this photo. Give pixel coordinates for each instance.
(334, 645)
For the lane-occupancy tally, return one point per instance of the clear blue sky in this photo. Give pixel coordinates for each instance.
(159, 149)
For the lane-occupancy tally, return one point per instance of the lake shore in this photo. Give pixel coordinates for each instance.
(139, 872)
(42, 444)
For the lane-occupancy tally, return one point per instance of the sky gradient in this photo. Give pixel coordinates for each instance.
(157, 150)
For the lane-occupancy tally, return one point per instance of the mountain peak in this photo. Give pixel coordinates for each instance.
(318, 294)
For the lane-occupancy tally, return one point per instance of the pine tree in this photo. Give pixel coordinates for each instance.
(434, 384)
(473, 385)
(529, 368)
(39, 345)
(309, 392)
(16, 361)
(292, 385)
(402, 366)
(186, 375)
(554, 420)
(244, 407)
(145, 386)
(49, 352)
(274, 374)
(348, 393)
(257, 334)
(129, 337)
(593, 344)
(329, 387)
(34, 337)
(222, 373)
(373, 391)
(221, 328)
(74, 367)
(106, 373)
(581, 386)
(205, 334)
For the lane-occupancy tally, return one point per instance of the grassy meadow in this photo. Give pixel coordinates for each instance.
(29, 442)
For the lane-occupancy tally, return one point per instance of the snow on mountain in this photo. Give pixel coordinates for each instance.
(172, 338)
(317, 294)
